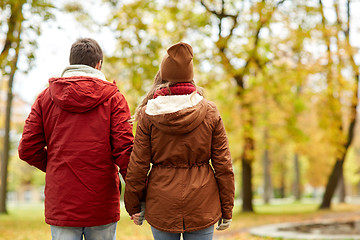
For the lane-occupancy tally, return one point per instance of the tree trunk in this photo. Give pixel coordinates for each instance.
(282, 183)
(239, 74)
(15, 23)
(247, 186)
(247, 157)
(6, 149)
(338, 167)
(331, 185)
(341, 188)
(297, 178)
(267, 172)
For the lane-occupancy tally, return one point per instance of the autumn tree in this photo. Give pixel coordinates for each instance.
(18, 23)
(344, 115)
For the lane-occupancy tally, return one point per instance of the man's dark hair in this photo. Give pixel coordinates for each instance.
(85, 51)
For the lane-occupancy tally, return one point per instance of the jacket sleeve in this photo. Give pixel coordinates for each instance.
(221, 162)
(32, 148)
(121, 135)
(138, 169)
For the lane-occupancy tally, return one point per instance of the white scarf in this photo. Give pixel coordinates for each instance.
(82, 70)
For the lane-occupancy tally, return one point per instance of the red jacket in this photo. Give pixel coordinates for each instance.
(77, 132)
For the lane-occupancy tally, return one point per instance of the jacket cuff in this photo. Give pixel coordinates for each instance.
(133, 211)
(227, 215)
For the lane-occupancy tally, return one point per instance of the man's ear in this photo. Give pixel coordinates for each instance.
(98, 65)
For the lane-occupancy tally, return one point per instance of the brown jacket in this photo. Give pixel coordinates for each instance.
(191, 182)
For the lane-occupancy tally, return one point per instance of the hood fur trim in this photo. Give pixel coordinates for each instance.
(171, 103)
(82, 70)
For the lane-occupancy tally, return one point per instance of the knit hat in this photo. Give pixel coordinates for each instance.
(177, 64)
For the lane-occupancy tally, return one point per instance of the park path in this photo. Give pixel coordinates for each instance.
(242, 233)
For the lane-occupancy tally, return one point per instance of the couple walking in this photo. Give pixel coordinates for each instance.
(178, 170)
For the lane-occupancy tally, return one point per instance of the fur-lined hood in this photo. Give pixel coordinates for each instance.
(177, 114)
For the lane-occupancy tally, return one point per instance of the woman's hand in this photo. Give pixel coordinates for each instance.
(223, 224)
(135, 217)
(139, 217)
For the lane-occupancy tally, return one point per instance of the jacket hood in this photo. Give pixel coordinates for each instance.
(177, 114)
(80, 93)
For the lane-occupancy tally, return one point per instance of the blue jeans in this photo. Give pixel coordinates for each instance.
(103, 232)
(205, 234)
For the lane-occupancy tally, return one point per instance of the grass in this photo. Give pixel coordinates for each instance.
(26, 222)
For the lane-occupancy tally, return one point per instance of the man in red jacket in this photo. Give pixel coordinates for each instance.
(78, 132)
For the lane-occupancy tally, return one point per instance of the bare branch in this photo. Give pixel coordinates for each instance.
(280, 2)
(222, 6)
(9, 36)
(220, 28)
(347, 32)
(240, 81)
(207, 8)
(338, 19)
(13, 29)
(220, 15)
(235, 24)
(326, 34)
(222, 42)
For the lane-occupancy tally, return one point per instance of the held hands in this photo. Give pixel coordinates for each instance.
(223, 224)
(138, 218)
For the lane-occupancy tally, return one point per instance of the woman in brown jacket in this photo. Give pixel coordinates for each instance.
(180, 165)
